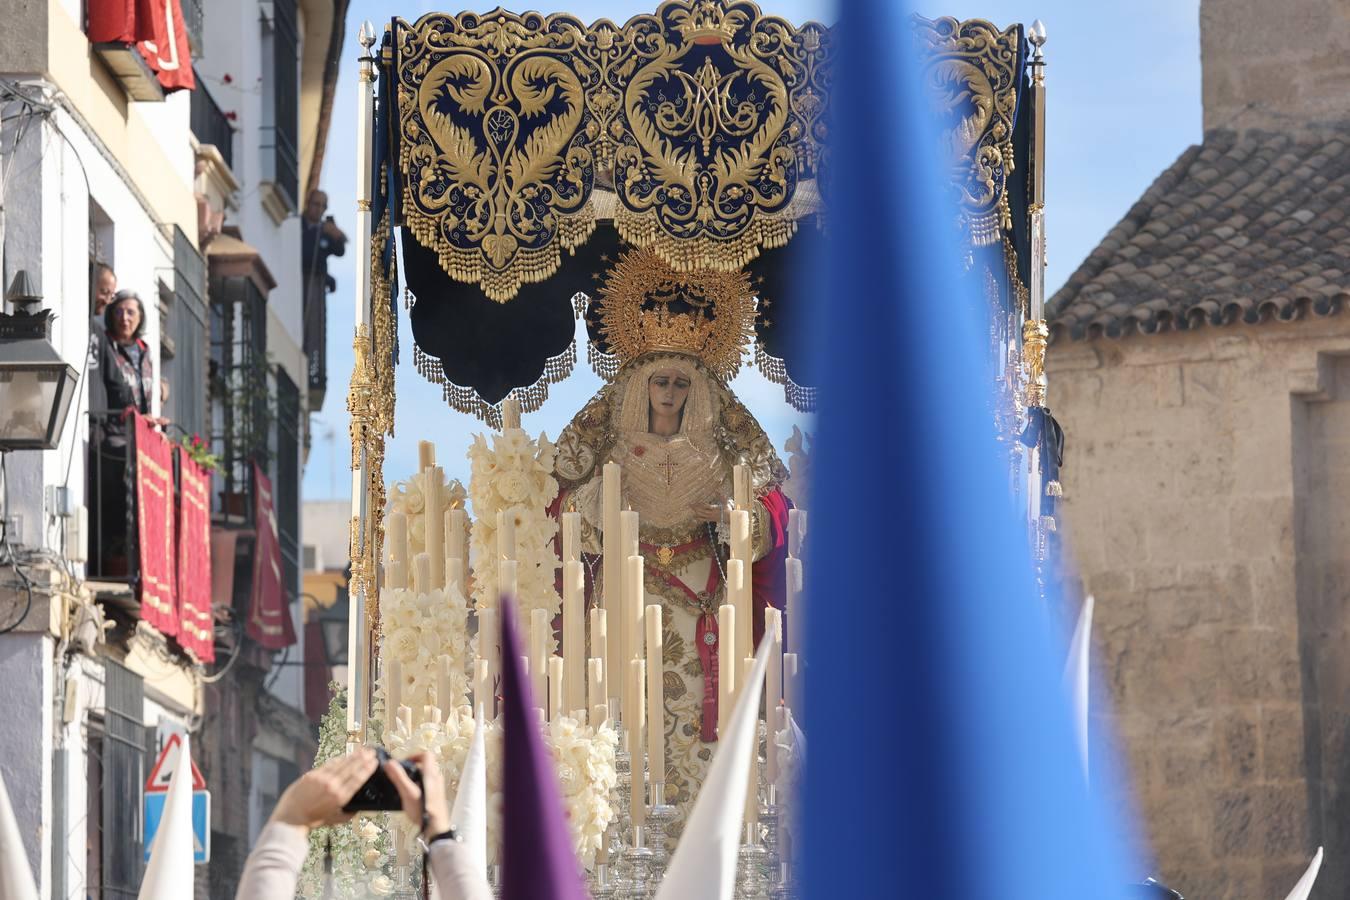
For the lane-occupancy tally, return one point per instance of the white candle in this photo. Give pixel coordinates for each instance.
(737, 571)
(635, 603)
(612, 571)
(422, 574)
(600, 646)
(489, 648)
(506, 534)
(752, 787)
(636, 721)
(510, 412)
(434, 522)
(574, 635)
(571, 536)
(792, 686)
(595, 683)
(741, 547)
(555, 688)
(656, 699)
(397, 573)
(506, 578)
(457, 533)
(773, 687)
(444, 669)
(628, 527)
(740, 486)
(405, 718)
(454, 575)
(726, 665)
(393, 686)
(482, 688)
(540, 629)
(794, 544)
(599, 714)
(796, 609)
(426, 455)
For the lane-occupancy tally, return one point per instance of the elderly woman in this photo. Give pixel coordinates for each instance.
(677, 430)
(128, 382)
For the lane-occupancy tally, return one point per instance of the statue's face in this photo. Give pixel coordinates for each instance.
(668, 390)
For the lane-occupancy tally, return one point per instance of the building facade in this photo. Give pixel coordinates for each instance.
(1199, 366)
(193, 198)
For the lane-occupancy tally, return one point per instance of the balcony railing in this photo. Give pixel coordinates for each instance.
(193, 15)
(209, 124)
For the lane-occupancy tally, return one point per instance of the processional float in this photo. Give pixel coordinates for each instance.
(517, 172)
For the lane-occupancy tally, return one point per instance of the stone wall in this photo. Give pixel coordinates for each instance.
(1205, 480)
(1275, 66)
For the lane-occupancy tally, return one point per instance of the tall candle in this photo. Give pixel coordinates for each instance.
(482, 689)
(510, 412)
(539, 641)
(456, 534)
(792, 686)
(489, 648)
(444, 698)
(612, 571)
(773, 687)
(433, 521)
(454, 575)
(555, 688)
(422, 574)
(726, 665)
(405, 718)
(571, 536)
(793, 540)
(796, 609)
(656, 700)
(506, 534)
(574, 635)
(739, 639)
(595, 683)
(752, 786)
(506, 578)
(599, 646)
(599, 714)
(426, 455)
(803, 528)
(393, 685)
(636, 721)
(397, 576)
(740, 485)
(635, 606)
(628, 527)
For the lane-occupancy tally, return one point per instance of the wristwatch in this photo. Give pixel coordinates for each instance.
(447, 835)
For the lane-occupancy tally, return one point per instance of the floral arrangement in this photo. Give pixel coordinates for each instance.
(514, 476)
(416, 630)
(199, 452)
(585, 757)
(409, 498)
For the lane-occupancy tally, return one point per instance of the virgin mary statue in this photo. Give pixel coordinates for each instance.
(669, 419)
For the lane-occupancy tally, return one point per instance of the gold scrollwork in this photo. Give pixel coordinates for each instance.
(971, 74)
(696, 123)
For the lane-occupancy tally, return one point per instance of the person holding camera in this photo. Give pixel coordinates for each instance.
(317, 798)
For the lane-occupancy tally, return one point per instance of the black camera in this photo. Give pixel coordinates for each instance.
(378, 794)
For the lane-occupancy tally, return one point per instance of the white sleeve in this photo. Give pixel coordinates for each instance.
(453, 871)
(273, 866)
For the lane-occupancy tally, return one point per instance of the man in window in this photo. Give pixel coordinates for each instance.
(320, 238)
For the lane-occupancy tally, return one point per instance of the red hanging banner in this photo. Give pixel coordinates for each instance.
(157, 29)
(195, 627)
(154, 527)
(269, 619)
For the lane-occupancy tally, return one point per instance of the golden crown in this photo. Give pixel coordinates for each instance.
(708, 22)
(646, 305)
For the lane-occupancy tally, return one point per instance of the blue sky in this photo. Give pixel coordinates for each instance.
(1123, 83)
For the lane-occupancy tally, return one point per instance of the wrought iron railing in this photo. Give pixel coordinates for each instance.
(209, 124)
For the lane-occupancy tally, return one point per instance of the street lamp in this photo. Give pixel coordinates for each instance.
(36, 384)
(333, 622)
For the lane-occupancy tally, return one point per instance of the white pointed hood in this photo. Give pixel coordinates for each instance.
(16, 880)
(169, 873)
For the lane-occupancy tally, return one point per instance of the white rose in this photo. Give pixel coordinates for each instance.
(381, 885)
(372, 859)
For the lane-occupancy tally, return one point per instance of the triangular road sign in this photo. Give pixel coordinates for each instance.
(158, 782)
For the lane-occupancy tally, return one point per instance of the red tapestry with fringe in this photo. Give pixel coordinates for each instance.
(195, 630)
(158, 30)
(154, 527)
(269, 619)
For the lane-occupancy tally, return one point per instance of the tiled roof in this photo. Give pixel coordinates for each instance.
(1242, 228)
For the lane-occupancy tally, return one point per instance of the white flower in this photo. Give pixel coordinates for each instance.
(381, 885)
(372, 859)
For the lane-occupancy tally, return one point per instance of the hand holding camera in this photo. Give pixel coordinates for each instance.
(367, 780)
